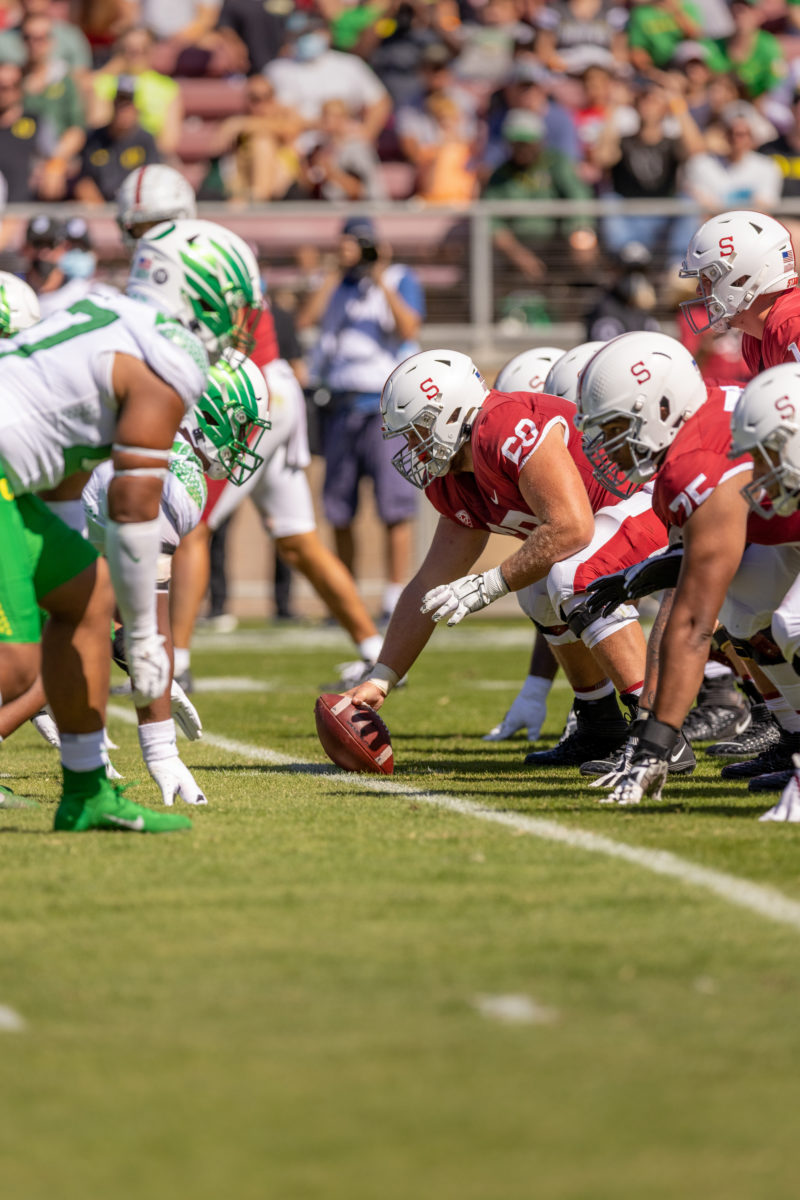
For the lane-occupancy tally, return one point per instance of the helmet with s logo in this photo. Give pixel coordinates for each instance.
(766, 424)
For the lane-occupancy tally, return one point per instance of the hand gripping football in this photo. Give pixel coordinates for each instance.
(356, 739)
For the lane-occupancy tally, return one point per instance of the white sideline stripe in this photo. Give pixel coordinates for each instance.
(514, 1009)
(764, 901)
(11, 1021)
(232, 683)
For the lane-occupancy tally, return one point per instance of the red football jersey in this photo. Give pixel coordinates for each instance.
(781, 332)
(506, 433)
(697, 461)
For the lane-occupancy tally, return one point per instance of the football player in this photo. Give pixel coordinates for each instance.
(643, 404)
(512, 464)
(744, 264)
(110, 376)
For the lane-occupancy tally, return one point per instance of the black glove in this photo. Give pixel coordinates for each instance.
(653, 574)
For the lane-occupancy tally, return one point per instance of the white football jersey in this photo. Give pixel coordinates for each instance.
(58, 411)
(183, 499)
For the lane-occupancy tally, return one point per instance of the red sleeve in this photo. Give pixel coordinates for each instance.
(509, 433)
(751, 353)
(266, 347)
(776, 531)
(686, 482)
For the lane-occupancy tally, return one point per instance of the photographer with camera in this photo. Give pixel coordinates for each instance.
(369, 312)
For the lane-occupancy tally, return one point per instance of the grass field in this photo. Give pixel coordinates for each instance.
(299, 999)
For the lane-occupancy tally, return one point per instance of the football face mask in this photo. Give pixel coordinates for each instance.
(226, 424)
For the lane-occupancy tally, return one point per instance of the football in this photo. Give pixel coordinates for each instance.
(356, 739)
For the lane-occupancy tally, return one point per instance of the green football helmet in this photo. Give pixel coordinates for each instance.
(230, 419)
(205, 277)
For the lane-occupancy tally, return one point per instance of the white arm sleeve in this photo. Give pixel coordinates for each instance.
(132, 550)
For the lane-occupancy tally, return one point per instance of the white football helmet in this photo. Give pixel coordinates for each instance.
(150, 195)
(230, 418)
(736, 257)
(526, 372)
(434, 396)
(205, 277)
(649, 381)
(19, 305)
(766, 424)
(562, 378)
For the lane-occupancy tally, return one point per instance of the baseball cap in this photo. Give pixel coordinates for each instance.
(359, 227)
(521, 125)
(126, 88)
(43, 230)
(77, 231)
(690, 52)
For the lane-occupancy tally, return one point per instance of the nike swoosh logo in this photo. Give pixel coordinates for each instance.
(494, 498)
(137, 826)
(676, 753)
(133, 557)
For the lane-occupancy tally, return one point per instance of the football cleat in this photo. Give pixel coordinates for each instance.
(788, 807)
(773, 781)
(107, 809)
(762, 732)
(644, 776)
(774, 758)
(681, 762)
(721, 712)
(593, 737)
(185, 680)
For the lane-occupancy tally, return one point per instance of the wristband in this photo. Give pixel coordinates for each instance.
(657, 738)
(495, 584)
(383, 677)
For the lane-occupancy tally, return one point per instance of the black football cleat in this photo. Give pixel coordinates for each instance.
(721, 711)
(774, 781)
(681, 762)
(762, 732)
(774, 758)
(600, 730)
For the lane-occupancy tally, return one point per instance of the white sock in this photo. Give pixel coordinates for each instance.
(182, 659)
(603, 689)
(716, 670)
(370, 648)
(391, 594)
(82, 751)
(157, 740)
(783, 712)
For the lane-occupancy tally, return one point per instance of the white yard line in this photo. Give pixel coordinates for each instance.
(765, 901)
(514, 1009)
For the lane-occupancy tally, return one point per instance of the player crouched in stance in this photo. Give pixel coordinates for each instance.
(643, 404)
(512, 464)
(219, 438)
(108, 377)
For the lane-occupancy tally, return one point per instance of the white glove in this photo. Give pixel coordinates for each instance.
(44, 725)
(185, 712)
(467, 595)
(527, 711)
(111, 770)
(175, 779)
(788, 807)
(149, 666)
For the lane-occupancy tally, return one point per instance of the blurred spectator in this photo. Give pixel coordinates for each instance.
(528, 88)
(602, 95)
(414, 123)
(51, 95)
(446, 164)
(567, 27)
(187, 43)
(706, 110)
(690, 71)
(398, 47)
(737, 176)
(102, 22)
(645, 164)
(784, 150)
(754, 56)
(313, 73)
(19, 137)
(254, 31)
(657, 27)
(626, 303)
(157, 97)
(370, 311)
(533, 172)
(42, 248)
(71, 262)
(69, 43)
(340, 165)
(487, 42)
(265, 165)
(116, 149)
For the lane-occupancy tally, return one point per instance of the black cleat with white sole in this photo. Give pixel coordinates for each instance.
(600, 730)
(682, 760)
(762, 732)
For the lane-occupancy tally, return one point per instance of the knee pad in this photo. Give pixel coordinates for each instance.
(593, 630)
(761, 648)
(556, 635)
(785, 629)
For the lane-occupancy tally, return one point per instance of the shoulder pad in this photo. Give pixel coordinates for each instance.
(182, 337)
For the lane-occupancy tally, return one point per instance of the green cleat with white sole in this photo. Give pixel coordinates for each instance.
(106, 808)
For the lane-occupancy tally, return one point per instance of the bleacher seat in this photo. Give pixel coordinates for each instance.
(212, 99)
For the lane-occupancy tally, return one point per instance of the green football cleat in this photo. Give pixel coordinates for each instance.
(107, 809)
(9, 799)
